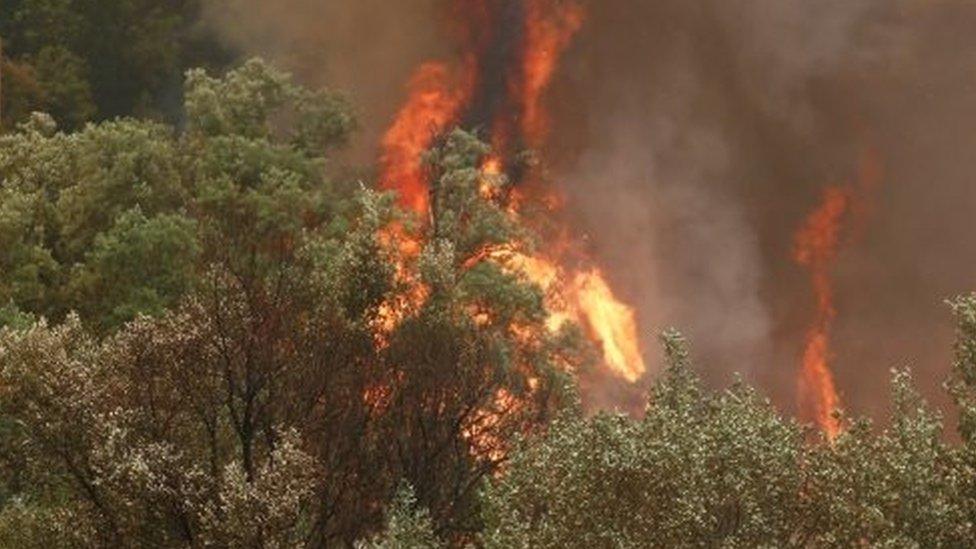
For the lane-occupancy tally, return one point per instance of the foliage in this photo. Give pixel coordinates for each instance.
(725, 470)
(697, 469)
(83, 438)
(160, 253)
(963, 383)
(252, 362)
(207, 339)
(406, 526)
(122, 217)
(65, 57)
(242, 104)
(476, 358)
(962, 387)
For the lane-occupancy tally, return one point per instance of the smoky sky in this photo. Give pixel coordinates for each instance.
(692, 138)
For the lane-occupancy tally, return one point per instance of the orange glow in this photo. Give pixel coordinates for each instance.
(406, 248)
(492, 166)
(508, 102)
(481, 429)
(436, 96)
(552, 26)
(817, 244)
(613, 324)
(377, 398)
(588, 300)
(816, 249)
(491, 178)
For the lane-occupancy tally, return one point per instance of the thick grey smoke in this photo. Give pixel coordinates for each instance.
(694, 136)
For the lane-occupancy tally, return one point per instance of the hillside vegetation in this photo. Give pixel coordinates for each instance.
(212, 340)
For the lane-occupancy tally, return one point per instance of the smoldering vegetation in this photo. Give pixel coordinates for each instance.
(693, 137)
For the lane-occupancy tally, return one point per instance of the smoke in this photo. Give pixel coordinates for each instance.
(679, 245)
(694, 136)
(710, 129)
(365, 48)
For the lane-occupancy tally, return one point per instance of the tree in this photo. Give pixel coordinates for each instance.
(66, 194)
(962, 387)
(21, 93)
(725, 470)
(256, 342)
(699, 469)
(407, 527)
(474, 364)
(65, 59)
(120, 481)
(139, 266)
(899, 487)
(122, 217)
(209, 339)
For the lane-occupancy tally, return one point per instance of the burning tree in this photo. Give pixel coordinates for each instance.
(509, 52)
(307, 368)
(266, 355)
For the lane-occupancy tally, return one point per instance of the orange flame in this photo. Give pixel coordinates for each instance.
(546, 40)
(441, 96)
(588, 300)
(436, 97)
(613, 324)
(816, 249)
(817, 244)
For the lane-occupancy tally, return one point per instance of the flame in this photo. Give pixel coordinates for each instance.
(816, 249)
(589, 301)
(817, 244)
(613, 324)
(480, 430)
(510, 54)
(436, 96)
(491, 176)
(546, 40)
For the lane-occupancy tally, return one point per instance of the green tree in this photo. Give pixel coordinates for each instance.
(725, 470)
(407, 527)
(962, 387)
(120, 218)
(139, 266)
(66, 57)
(699, 469)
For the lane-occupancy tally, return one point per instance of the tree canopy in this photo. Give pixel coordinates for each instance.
(80, 60)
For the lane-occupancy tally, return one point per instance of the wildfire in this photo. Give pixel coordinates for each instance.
(817, 244)
(547, 39)
(510, 53)
(816, 248)
(437, 95)
(613, 323)
(587, 299)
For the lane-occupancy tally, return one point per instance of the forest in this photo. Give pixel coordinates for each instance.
(214, 335)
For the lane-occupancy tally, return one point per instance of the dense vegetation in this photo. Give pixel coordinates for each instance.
(209, 339)
(231, 375)
(80, 60)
